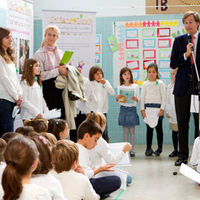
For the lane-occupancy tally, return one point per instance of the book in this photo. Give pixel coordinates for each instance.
(127, 95)
(66, 57)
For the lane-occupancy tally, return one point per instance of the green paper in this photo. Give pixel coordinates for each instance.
(113, 43)
(66, 57)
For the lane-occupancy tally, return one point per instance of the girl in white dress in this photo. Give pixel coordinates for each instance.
(33, 104)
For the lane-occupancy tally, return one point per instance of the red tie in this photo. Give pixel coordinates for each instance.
(191, 57)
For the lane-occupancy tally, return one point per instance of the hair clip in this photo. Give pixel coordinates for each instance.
(57, 123)
(10, 162)
(43, 140)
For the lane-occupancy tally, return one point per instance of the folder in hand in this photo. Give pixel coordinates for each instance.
(66, 57)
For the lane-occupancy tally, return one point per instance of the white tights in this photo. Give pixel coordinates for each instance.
(126, 131)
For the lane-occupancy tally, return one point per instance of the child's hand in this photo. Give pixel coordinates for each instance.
(79, 169)
(167, 115)
(107, 167)
(127, 147)
(161, 113)
(39, 116)
(118, 97)
(102, 81)
(143, 113)
(134, 99)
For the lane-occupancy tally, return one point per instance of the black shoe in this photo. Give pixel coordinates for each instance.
(173, 154)
(180, 161)
(132, 153)
(149, 152)
(158, 152)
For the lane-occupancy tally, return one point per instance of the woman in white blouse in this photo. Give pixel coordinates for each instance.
(49, 57)
(10, 89)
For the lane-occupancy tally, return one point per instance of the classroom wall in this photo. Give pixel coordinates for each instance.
(102, 8)
(104, 27)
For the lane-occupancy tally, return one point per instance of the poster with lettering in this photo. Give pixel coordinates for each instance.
(20, 22)
(142, 43)
(78, 34)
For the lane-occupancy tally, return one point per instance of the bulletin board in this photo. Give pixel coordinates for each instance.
(78, 34)
(18, 17)
(144, 42)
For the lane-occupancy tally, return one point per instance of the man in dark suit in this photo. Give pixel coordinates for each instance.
(186, 80)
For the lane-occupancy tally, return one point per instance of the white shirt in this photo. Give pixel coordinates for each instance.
(84, 160)
(76, 186)
(170, 105)
(31, 192)
(2, 167)
(10, 88)
(195, 157)
(98, 101)
(33, 102)
(102, 154)
(51, 184)
(153, 92)
(132, 87)
(40, 56)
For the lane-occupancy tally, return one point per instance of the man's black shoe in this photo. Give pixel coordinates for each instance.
(180, 161)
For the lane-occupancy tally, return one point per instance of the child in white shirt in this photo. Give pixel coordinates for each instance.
(99, 88)
(128, 96)
(153, 96)
(76, 186)
(171, 114)
(42, 176)
(21, 157)
(88, 134)
(33, 104)
(195, 157)
(101, 153)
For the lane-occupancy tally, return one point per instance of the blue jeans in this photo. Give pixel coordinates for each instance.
(6, 120)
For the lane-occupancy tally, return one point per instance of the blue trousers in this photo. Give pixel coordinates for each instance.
(6, 120)
(106, 184)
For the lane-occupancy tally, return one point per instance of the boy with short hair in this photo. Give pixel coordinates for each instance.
(88, 134)
(76, 186)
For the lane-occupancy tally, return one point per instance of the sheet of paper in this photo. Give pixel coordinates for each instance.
(194, 106)
(52, 114)
(172, 113)
(115, 148)
(15, 111)
(190, 173)
(127, 93)
(151, 116)
(66, 57)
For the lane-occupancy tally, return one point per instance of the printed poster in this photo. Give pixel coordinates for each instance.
(78, 34)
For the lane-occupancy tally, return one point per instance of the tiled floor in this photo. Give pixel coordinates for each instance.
(153, 179)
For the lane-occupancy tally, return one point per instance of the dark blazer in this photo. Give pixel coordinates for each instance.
(184, 66)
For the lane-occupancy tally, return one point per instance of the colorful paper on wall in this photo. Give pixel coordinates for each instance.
(113, 43)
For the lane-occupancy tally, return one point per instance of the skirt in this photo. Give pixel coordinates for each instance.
(128, 116)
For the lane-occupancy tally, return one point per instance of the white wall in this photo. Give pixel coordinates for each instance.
(102, 7)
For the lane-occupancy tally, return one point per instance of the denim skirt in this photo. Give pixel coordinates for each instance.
(128, 116)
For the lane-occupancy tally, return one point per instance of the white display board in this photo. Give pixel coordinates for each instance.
(20, 22)
(78, 34)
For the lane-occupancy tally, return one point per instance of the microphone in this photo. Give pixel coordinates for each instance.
(190, 41)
